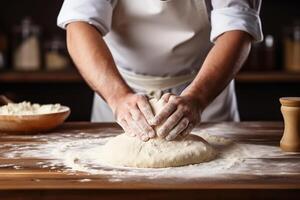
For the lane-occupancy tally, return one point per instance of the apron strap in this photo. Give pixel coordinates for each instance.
(154, 85)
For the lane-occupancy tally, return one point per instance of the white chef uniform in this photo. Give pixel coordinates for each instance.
(170, 38)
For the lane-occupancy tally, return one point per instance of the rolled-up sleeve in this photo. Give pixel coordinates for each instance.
(95, 12)
(228, 15)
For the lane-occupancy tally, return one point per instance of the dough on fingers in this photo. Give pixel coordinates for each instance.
(126, 151)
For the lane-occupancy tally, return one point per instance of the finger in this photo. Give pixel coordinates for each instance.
(136, 130)
(165, 112)
(180, 127)
(126, 127)
(172, 97)
(171, 122)
(146, 128)
(187, 131)
(166, 97)
(139, 118)
(146, 109)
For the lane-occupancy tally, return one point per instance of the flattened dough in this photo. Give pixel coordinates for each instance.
(127, 151)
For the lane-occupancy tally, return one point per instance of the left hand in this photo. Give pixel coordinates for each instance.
(179, 116)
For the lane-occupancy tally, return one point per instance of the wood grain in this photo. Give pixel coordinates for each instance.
(32, 177)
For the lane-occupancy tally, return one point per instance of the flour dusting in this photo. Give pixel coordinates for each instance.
(78, 153)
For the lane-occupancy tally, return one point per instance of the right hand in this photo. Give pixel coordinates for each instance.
(134, 114)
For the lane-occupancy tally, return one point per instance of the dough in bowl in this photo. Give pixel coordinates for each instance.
(127, 151)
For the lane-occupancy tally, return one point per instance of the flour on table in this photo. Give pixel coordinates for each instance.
(77, 153)
(27, 108)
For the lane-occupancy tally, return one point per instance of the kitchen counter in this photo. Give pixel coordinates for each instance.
(33, 181)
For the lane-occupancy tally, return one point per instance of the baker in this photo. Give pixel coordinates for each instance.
(186, 52)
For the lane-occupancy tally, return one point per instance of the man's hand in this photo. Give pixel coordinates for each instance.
(133, 112)
(178, 116)
(182, 113)
(95, 62)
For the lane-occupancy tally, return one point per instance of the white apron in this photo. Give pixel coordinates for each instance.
(160, 46)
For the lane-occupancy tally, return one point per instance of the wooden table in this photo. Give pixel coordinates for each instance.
(33, 182)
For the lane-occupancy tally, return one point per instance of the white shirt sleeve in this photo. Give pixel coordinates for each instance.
(95, 12)
(228, 15)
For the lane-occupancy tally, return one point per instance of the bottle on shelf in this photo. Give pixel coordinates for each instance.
(27, 51)
(269, 53)
(56, 54)
(292, 47)
(3, 51)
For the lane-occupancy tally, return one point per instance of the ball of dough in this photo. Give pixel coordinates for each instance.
(127, 151)
(156, 105)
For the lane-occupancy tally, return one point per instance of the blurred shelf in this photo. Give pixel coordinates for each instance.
(40, 77)
(268, 77)
(74, 77)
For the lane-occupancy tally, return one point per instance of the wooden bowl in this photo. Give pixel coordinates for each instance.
(33, 123)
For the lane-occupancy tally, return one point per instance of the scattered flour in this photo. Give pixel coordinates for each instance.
(77, 154)
(85, 180)
(26, 108)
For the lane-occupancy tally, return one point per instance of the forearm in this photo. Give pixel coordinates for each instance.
(94, 61)
(220, 66)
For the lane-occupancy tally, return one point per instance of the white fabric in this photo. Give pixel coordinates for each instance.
(223, 108)
(229, 16)
(95, 12)
(159, 38)
(165, 38)
(241, 15)
(154, 83)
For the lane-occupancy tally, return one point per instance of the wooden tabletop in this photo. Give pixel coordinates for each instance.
(31, 176)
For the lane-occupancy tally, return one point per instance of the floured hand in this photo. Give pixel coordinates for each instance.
(178, 116)
(133, 112)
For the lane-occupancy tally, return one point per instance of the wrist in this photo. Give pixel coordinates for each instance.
(197, 99)
(116, 98)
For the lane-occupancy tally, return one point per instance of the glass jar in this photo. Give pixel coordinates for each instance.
(27, 51)
(3, 51)
(269, 53)
(292, 48)
(56, 55)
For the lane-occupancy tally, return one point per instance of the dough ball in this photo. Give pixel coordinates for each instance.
(157, 105)
(127, 151)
